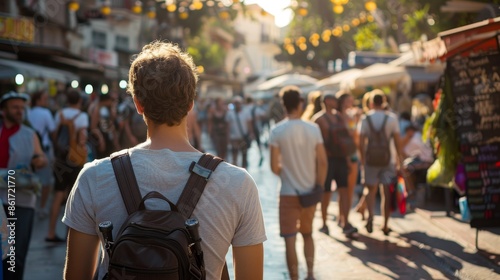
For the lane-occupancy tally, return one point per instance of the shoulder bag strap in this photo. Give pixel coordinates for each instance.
(127, 182)
(239, 124)
(75, 117)
(200, 174)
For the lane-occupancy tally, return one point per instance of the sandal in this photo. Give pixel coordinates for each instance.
(361, 211)
(386, 231)
(55, 239)
(369, 225)
(325, 230)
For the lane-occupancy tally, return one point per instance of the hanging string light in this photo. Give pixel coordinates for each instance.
(302, 10)
(370, 6)
(170, 5)
(105, 9)
(338, 9)
(73, 6)
(183, 13)
(151, 13)
(137, 8)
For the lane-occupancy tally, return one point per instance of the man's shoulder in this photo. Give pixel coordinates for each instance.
(27, 129)
(318, 117)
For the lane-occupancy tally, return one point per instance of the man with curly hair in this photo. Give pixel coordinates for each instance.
(162, 82)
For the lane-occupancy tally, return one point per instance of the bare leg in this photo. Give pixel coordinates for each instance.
(343, 205)
(309, 254)
(370, 203)
(351, 181)
(291, 257)
(234, 150)
(361, 206)
(244, 162)
(385, 206)
(54, 213)
(325, 201)
(45, 196)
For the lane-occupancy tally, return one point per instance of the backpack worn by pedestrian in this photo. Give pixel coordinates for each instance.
(339, 143)
(67, 146)
(378, 152)
(157, 244)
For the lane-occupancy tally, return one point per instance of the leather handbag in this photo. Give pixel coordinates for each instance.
(311, 198)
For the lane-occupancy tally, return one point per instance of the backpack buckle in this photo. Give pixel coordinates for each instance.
(200, 170)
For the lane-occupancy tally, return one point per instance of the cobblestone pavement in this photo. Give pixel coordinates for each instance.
(423, 245)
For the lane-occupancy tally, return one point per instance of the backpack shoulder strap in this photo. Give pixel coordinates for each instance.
(370, 123)
(200, 173)
(61, 117)
(329, 121)
(384, 122)
(127, 182)
(76, 116)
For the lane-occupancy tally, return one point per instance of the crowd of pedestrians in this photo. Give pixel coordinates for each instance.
(324, 141)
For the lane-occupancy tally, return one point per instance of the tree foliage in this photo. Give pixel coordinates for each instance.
(404, 21)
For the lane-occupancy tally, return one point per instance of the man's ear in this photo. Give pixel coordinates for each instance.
(138, 106)
(191, 106)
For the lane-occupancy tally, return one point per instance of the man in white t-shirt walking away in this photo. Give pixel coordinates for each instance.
(240, 131)
(376, 129)
(299, 158)
(162, 82)
(41, 119)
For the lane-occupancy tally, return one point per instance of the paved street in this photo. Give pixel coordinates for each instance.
(423, 245)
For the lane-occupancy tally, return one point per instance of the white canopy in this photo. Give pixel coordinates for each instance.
(298, 80)
(10, 68)
(339, 80)
(379, 74)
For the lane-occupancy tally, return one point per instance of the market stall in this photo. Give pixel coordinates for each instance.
(466, 125)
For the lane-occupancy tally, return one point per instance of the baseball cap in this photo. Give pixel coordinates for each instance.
(238, 99)
(13, 95)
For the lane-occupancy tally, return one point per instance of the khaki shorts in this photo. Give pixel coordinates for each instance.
(294, 218)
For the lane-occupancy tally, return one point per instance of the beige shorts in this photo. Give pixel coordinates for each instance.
(294, 218)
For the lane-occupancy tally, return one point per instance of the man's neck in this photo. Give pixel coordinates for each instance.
(330, 111)
(8, 124)
(294, 115)
(174, 138)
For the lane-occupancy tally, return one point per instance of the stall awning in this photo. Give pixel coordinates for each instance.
(478, 36)
(10, 68)
(339, 80)
(379, 74)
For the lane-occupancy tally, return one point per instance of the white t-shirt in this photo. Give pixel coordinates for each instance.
(229, 210)
(234, 130)
(82, 121)
(43, 122)
(417, 148)
(297, 141)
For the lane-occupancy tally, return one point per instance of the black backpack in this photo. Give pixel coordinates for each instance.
(378, 152)
(157, 244)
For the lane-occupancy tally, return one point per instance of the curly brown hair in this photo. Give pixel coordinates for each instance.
(163, 79)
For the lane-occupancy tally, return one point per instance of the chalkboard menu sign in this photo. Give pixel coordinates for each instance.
(475, 83)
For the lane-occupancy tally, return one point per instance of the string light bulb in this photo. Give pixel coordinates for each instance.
(74, 6)
(338, 9)
(137, 8)
(370, 6)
